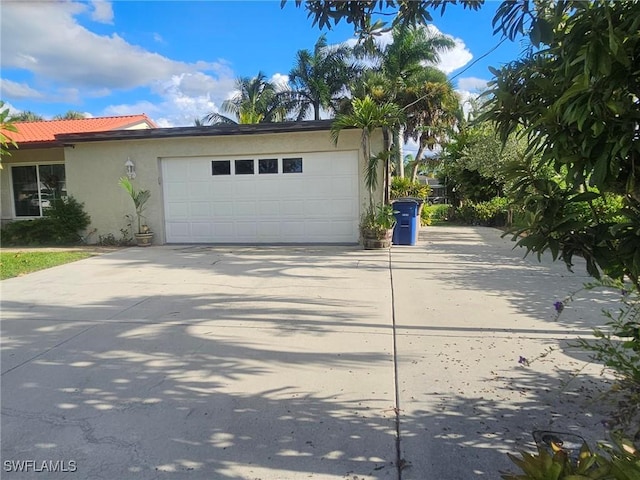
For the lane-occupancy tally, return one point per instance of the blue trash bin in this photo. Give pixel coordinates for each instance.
(406, 230)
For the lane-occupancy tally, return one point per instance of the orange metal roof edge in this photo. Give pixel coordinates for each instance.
(44, 133)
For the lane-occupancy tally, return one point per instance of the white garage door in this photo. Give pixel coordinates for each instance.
(285, 198)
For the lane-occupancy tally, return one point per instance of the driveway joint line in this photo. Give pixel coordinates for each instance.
(128, 308)
(47, 350)
(399, 461)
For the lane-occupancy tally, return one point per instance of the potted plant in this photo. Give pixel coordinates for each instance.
(140, 197)
(376, 227)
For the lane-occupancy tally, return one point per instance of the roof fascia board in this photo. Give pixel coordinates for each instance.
(208, 131)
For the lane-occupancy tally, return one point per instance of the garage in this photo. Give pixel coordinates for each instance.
(269, 183)
(309, 197)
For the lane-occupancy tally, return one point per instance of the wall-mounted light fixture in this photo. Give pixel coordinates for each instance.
(131, 168)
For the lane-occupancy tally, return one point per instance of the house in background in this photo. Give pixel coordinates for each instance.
(35, 173)
(438, 193)
(265, 183)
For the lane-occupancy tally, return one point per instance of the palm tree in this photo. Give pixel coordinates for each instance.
(6, 128)
(27, 116)
(319, 78)
(369, 115)
(399, 67)
(431, 109)
(257, 100)
(70, 115)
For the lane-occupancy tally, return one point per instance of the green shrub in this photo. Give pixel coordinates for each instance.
(378, 219)
(38, 231)
(618, 462)
(60, 225)
(405, 187)
(434, 214)
(493, 213)
(68, 218)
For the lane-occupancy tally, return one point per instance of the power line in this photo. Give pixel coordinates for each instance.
(479, 58)
(462, 71)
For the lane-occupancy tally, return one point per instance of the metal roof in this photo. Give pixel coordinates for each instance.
(206, 131)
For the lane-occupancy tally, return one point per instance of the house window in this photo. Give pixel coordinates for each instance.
(291, 165)
(35, 187)
(221, 167)
(244, 167)
(267, 165)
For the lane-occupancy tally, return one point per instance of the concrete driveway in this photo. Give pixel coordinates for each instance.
(292, 362)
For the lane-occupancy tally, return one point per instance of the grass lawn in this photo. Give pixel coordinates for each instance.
(14, 264)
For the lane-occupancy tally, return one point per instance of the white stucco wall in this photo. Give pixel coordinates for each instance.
(93, 169)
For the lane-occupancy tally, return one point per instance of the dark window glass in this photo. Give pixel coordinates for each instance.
(221, 167)
(268, 165)
(35, 188)
(244, 167)
(291, 165)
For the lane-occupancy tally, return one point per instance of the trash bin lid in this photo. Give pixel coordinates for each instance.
(408, 199)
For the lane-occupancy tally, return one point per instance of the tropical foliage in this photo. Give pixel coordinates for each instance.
(27, 116)
(62, 223)
(369, 116)
(575, 100)
(139, 198)
(70, 115)
(401, 75)
(360, 12)
(6, 128)
(256, 100)
(319, 79)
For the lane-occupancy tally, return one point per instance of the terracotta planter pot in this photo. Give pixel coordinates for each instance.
(376, 240)
(143, 239)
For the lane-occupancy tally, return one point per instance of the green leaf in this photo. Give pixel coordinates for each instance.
(585, 197)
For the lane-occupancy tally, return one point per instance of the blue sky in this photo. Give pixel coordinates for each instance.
(177, 60)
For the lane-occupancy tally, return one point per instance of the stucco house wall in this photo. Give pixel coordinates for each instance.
(93, 169)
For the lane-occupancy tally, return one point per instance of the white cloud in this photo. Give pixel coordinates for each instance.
(450, 60)
(473, 84)
(102, 11)
(281, 81)
(48, 41)
(469, 100)
(455, 58)
(184, 98)
(17, 91)
(73, 63)
(469, 89)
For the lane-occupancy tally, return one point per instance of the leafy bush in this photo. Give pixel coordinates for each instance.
(618, 348)
(405, 187)
(378, 220)
(60, 225)
(38, 231)
(68, 218)
(493, 213)
(434, 214)
(553, 462)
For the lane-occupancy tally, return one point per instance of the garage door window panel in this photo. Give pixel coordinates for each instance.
(267, 166)
(292, 165)
(221, 167)
(244, 167)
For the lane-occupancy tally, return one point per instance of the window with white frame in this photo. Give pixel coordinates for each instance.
(35, 187)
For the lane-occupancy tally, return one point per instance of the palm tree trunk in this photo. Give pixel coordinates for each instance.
(418, 161)
(387, 166)
(316, 110)
(397, 142)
